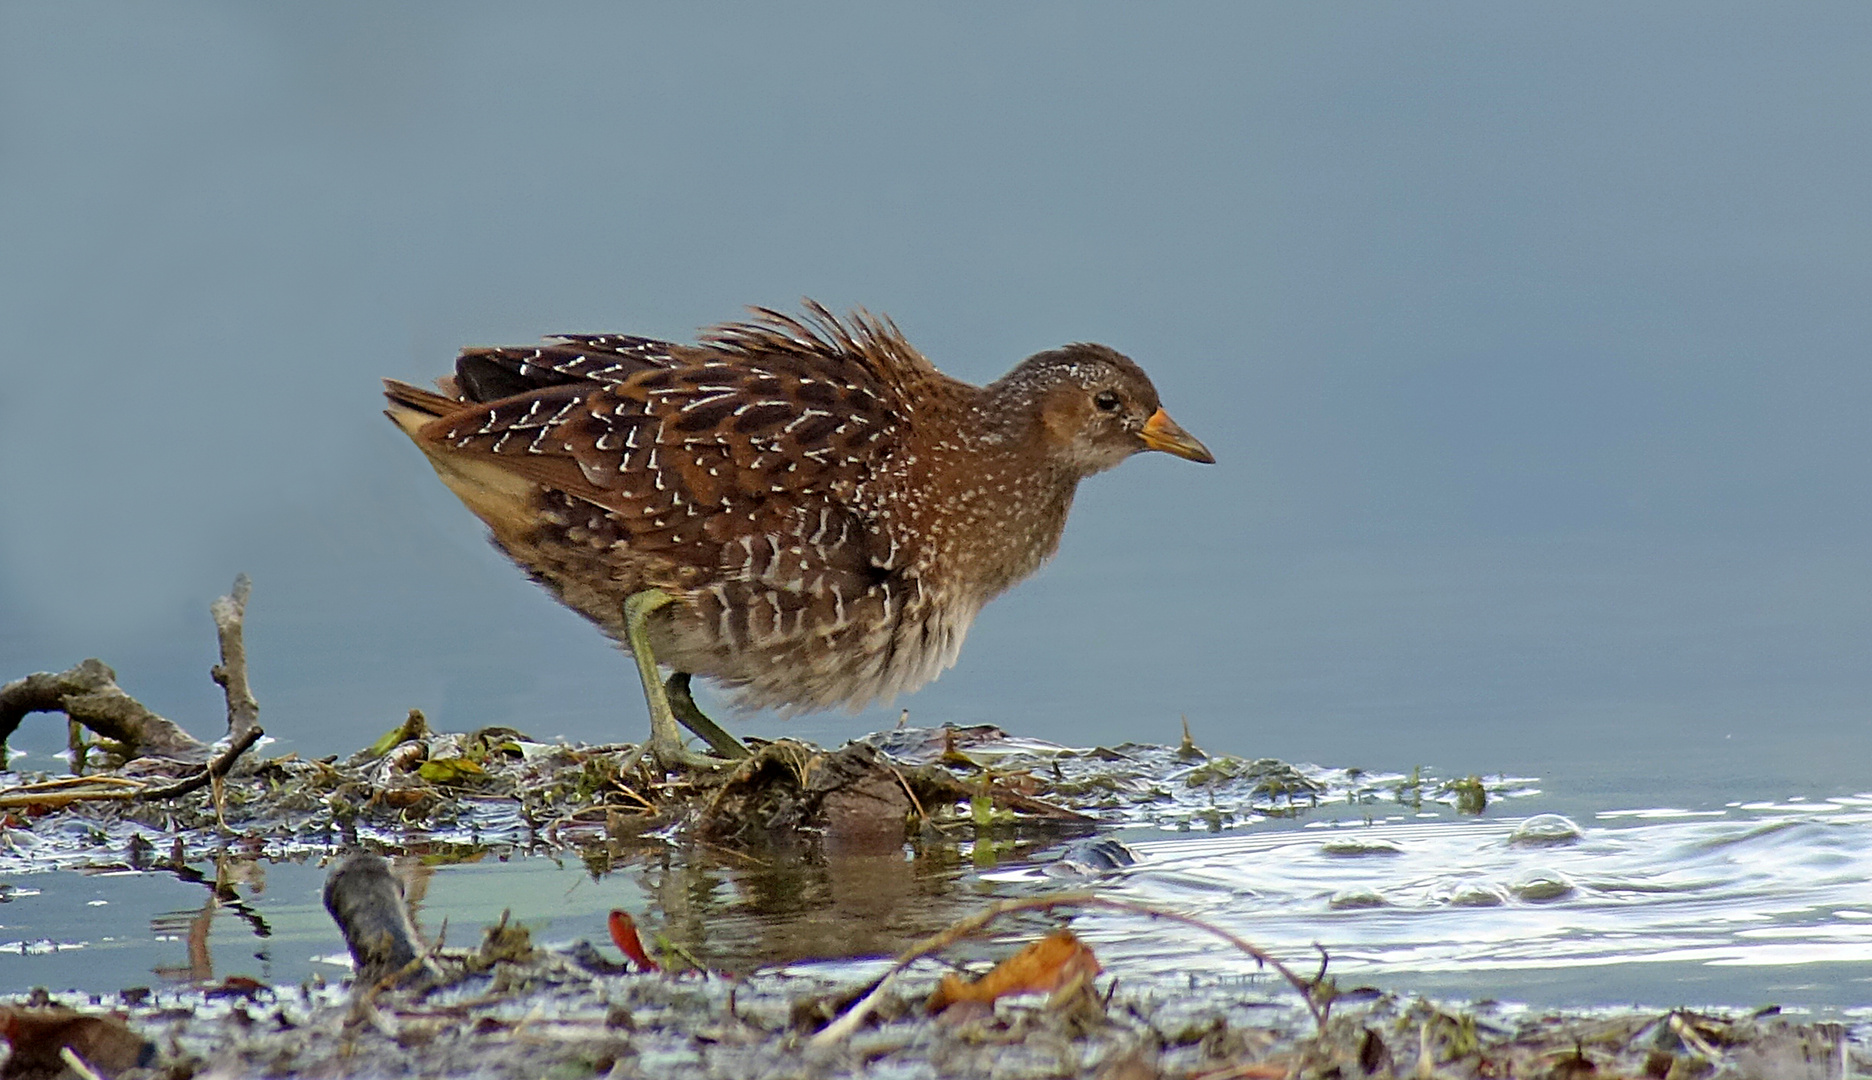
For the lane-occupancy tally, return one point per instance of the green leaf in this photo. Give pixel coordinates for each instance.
(414, 727)
(449, 770)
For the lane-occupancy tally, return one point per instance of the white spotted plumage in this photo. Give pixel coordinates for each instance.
(830, 510)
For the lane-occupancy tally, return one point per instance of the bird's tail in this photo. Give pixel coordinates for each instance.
(411, 406)
(500, 497)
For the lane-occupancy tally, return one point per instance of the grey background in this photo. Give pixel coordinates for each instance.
(1531, 340)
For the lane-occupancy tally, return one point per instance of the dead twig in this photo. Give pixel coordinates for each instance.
(54, 800)
(1693, 1038)
(230, 612)
(1027, 804)
(61, 784)
(78, 1065)
(215, 771)
(922, 814)
(632, 792)
(71, 789)
(845, 1025)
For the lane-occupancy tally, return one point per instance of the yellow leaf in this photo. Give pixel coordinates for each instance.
(449, 770)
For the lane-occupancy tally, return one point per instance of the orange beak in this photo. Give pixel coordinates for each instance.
(1162, 433)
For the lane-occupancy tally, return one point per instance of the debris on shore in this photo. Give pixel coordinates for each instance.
(147, 794)
(144, 773)
(508, 1008)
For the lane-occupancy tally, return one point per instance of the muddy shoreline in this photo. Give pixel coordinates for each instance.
(884, 811)
(551, 1017)
(514, 1009)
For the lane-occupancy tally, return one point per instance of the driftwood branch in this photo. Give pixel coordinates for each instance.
(230, 611)
(89, 694)
(366, 901)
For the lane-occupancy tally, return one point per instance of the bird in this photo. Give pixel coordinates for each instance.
(802, 509)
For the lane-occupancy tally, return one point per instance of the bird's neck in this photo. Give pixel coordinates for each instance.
(1009, 501)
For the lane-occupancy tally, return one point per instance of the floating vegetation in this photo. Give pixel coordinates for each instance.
(1182, 788)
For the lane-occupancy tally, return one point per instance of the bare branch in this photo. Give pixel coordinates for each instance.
(89, 694)
(214, 771)
(230, 611)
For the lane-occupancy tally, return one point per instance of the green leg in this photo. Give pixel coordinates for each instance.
(666, 739)
(682, 703)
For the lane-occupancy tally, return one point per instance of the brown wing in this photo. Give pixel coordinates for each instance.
(752, 478)
(484, 374)
(864, 344)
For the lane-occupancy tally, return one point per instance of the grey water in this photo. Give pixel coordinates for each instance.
(1530, 343)
(1749, 906)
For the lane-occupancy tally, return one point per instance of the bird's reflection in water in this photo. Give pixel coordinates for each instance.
(738, 910)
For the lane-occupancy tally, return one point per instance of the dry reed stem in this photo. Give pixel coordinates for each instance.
(845, 1025)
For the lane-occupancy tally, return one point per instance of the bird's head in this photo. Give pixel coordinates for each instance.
(1094, 408)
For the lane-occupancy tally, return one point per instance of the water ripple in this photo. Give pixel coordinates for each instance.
(1758, 887)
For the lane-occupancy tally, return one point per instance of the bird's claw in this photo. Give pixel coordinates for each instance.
(671, 755)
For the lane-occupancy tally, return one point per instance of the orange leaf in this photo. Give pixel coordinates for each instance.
(1040, 968)
(624, 936)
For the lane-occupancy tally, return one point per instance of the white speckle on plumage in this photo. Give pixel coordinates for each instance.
(802, 418)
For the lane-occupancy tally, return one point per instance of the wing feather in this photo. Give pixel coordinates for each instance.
(753, 473)
(489, 374)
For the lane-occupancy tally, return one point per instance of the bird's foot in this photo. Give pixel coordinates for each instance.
(670, 702)
(666, 748)
(683, 705)
(670, 754)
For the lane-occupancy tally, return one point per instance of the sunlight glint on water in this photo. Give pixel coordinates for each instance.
(1764, 888)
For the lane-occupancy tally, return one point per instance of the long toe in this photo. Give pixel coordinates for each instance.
(672, 754)
(683, 706)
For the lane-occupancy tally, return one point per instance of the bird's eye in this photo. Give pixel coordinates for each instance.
(1106, 400)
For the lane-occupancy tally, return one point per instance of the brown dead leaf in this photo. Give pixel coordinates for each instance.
(37, 1035)
(1055, 961)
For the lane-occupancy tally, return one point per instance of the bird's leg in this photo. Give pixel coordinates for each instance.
(682, 703)
(666, 740)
